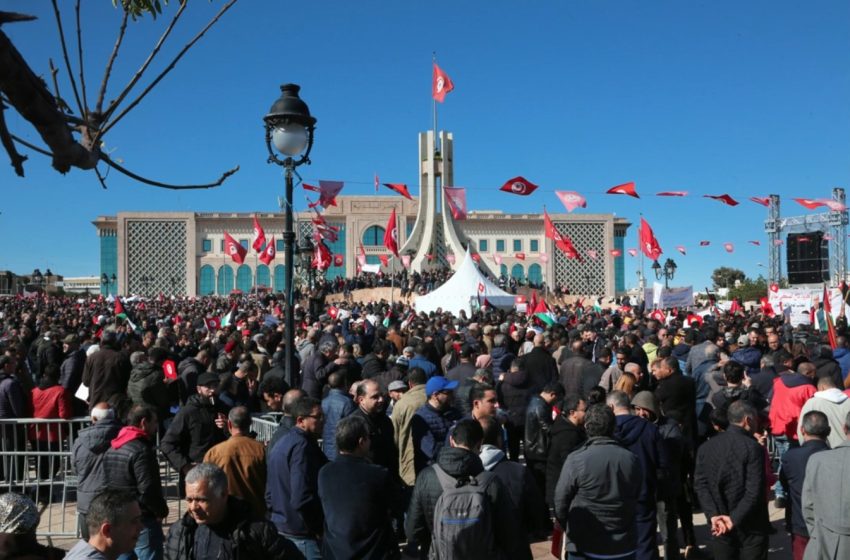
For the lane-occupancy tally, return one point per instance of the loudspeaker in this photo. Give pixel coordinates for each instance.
(808, 258)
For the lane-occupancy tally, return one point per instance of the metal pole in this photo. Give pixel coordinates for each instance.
(289, 247)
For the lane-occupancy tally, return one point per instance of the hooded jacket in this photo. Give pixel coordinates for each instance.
(130, 464)
(836, 405)
(192, 432)
(147, 386)
(790, 392)
(87, 456)
(749, 357)
(516, 392)
(566, 437)
(842, 356)
(641, 437)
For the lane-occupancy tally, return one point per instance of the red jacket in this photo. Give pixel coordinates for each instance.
(52, 402)
(790, 393)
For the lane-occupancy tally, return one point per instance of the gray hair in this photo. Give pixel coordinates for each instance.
(240, 418)
(211, 474)
(137, 357)
(618, 399)
(328, 346)
(499, 340)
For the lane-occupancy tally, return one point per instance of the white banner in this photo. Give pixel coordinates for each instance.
(801, 300)
(668, 297)
(373, 268)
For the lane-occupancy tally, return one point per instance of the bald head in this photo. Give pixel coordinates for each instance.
(807, 368)
(539, 340)
(632, 368)
(289, 399)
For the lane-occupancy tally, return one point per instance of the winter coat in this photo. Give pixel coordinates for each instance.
(597, 494)
(403, 413)
(461, 464)
(730, 480)
(336, 406)
(187, 378)
(826, 501)
(501, 359)
(697, 355)
(676, 396)
(541, 368)
(429, 428)
(790, 392)
(382, 449)
(50, 402)
(357, 498)
(16, 546)
(192, 432)
(835, 404)
(579, 375)
(315, 372)
(71, 370)
(828, 367)
(792, 474)
(641, 437)
(147, 386)
(13, 402)
(515, 392)
(131, 464)
(424, 363)
(292, 492)
(243, 460)
(538, 422)
(87, 456)
(566, 438)
(373, 366)
(246, 536)
(842, 356)
(106, 373)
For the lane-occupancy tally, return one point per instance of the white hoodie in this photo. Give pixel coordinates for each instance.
(835, 404)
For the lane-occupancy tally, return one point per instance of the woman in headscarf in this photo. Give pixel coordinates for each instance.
(19, 519)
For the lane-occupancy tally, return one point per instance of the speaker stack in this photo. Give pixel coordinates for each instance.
(808, 258)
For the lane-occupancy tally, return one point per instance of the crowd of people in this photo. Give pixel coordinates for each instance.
(428, 436)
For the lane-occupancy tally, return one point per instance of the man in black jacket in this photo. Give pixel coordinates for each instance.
(730, 483)
(539, 364)
(358, 498)
(370, 403)
(318, 366)
(375, 362)
(197, 427)
(131, 464)
(597, 492)
(538, 422)
(216, 525)
(461, 462)
(815, 428)
(677, 396)
(567, 435)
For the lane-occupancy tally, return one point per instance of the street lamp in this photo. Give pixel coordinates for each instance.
(37, 278)
(289, 128)
(305, 260)
(668, 271)
(106, 281)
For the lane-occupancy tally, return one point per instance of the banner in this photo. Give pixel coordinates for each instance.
(798, 302)
(373, 268)
(665, 298)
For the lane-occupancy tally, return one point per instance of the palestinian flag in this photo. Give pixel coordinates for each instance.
(121, 313)
(546, 318)
(227, 320)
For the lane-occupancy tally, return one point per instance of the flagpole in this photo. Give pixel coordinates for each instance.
(392, 283)
(642, 282)
(434, 103)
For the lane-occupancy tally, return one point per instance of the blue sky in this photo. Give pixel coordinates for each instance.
(746, 98)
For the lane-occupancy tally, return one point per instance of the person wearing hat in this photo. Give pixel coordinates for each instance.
(198, 426)
(19, 520)
(747, 355)
(430, 425)
(395, 390)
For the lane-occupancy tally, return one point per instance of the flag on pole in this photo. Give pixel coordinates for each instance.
(328, 190)
(827, 315)
(322, 257)
(236, 251)
(456, 199)
(259, 236)
(561, 242)
(672, 193)
(268, 253)
(441, 84)
(385, 260)
(571, 200)
(764, 201)
(391, 235)
(648, 243)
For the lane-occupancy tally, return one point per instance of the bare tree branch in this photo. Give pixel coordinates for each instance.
(105, 158)
(67, 58)
(170, 67)
(113, 105)
(11, 17)
(85, 112)
(108, 71)
(6, 140)
(23, 142)
(100, 178)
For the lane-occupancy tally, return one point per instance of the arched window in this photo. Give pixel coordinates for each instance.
(517, 272)
(503, 270)
(243, 278)
(207, 280)
(374, 235)
(225, 280)
(535, 274)
(279, 277)
(263, 276)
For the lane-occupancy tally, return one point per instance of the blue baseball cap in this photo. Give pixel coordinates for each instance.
(439, 383)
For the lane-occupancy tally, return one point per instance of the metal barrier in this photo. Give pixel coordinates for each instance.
(35, 460)
(265, 426)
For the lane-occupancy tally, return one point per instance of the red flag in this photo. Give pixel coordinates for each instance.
(430, 256)
(704, 243)
(778, 242)
(236, 251)
(441, 84)
(754, 242)
(561, 242)
(681, 249)
(616, 253)
(672, 193)
(809, 203)
(338, 260)
(519, 185)
(571, 200)
(451, 258)
(476, 257)
(213, 323)
(333, 311)
(648, 243)
(327, 193)
(833, 205)
(773, 287)
(827, 315)
(400, 188)
(520, 256)
(119, 308)
(765, 201)
(724, 198)
(693, 318)
(766, 308)
(658, 315)
(259, 235)
(625, 188)
(391, 235)
(729, 247)
(544, 258)
(735, 307)
(321, 256)
(456, 201)
(533, 302)
(169, 369)
(405, 261)
(385, 260)
(269, 252)
(481, 287)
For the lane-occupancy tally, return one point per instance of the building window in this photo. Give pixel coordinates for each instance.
(517, 245)
(482, 245)
(244, 243)
(500, 245)
(221, 246)
(374, 236)
(534, 245)
(278, 245)
(207, 246)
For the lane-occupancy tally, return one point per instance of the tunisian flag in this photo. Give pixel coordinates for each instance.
(625, 188)
(441, 85)
(456, 201)
(561, 242)
(400, 188)
(236, 251)
(648, 243)
(391, 235)
(259, 236)
(321, 256)
(268, 253)
(519, 185)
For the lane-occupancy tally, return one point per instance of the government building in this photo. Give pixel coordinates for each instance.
(182, 253)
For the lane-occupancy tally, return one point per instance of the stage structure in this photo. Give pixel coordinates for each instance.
(831, 237)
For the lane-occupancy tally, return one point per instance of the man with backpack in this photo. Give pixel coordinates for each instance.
(460, 510)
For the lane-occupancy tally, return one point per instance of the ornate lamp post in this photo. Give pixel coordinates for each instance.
(107, 280)
(305, 261)
(668, 271)
(289, 128)
(37, 278)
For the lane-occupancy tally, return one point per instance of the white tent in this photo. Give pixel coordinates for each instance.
(466, 285)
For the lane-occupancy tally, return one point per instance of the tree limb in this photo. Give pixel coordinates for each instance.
(170, 67)
(108, 71)
(80, 60)
(105, 158)
(67, 58)
(11, 17)
(6, 140)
